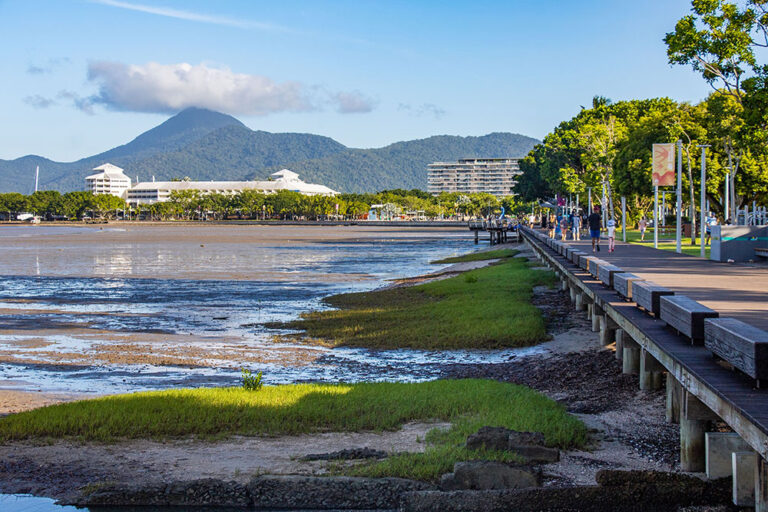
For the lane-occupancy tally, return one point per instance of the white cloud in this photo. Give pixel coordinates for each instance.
(352, 102)
(173, 87)
(192, 16)
(425, 109)
(38, 101)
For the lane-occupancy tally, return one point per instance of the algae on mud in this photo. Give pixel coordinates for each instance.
(486, 308)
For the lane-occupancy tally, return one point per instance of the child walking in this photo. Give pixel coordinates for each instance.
(611, 224)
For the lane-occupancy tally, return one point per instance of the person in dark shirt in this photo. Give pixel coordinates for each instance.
(595, 221)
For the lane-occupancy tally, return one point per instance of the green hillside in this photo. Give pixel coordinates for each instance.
(206, 145)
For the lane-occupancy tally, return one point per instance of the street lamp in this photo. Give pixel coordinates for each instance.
(703, 199)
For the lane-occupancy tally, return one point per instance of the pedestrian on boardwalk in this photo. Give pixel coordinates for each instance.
(575, 222)
(564, 227)
(710, 221)
(611, 235)
(558, 226)
(642, 225)
(595, 221)
(551, 225)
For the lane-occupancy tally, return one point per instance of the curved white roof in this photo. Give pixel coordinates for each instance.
(288, 180)
(107, 170)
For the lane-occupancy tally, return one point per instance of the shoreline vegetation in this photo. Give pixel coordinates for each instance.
(485, 308)
(216, 413)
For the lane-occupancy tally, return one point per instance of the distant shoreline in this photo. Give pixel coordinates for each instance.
(451, 224)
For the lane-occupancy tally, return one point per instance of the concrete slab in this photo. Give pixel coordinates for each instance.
(719, 446)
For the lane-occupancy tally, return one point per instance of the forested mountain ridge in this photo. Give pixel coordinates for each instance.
(206, 145)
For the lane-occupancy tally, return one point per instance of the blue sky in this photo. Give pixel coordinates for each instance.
(81, 76)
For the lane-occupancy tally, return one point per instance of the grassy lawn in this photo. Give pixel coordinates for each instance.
(666, 241)
(478, 256)
(305, 408)
(488, 307)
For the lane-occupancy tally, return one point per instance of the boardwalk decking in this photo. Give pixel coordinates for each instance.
(736, 291)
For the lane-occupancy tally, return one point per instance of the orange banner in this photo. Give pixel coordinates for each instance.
(663, 165)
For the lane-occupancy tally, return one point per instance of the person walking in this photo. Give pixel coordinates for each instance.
(564, 227)
(575, 222)
(595, 221)
(551, 225)
(558, 226)
(611, 235)
(642, 225)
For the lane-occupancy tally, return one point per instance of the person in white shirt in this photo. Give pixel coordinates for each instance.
(611, 235)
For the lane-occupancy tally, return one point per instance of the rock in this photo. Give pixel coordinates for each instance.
(529, 445)
(347, 454)
(204, 492)
(322, 493)
(490, 438)
(483, 475)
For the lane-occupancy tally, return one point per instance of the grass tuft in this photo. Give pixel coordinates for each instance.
(485, 308)
(306, 408)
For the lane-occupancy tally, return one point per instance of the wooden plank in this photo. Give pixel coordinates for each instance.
(646, 294)
(685, 315)
(742, 345)
(622, 283)
(606, 273)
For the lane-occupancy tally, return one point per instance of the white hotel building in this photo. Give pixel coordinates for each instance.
(112, 180)
(494, 176)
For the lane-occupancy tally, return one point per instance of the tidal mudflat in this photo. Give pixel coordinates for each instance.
(119, 308)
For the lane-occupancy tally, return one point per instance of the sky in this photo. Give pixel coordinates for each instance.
(78, 77)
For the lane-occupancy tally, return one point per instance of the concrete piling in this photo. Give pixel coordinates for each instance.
(619, 340)
(630, 357)
(761, 484)
(694, 422)
(674, 390)
(651, 372)
(743, 469)
(607, 330)
(718, 449)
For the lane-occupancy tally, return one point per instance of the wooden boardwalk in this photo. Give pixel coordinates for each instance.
(739, 291)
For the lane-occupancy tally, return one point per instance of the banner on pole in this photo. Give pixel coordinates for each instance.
(663, 173)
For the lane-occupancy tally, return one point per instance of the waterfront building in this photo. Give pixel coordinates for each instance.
(494, 176)
(158, 191)
(109, 179)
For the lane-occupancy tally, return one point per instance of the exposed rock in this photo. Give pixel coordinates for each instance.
(480, 475)
(205, 492)
(347, 454)
(529, 445)
(324, 493)
(490, 438)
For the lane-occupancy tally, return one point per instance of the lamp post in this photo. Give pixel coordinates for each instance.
(679, 204)
(703, 198)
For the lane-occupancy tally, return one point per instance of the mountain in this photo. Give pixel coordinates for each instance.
(206, 145)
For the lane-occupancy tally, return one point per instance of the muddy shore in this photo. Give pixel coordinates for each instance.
(628, 429)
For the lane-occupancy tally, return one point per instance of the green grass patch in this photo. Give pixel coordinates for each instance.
(488, 307)
(665, 244)
(306, 408)
(478, 256)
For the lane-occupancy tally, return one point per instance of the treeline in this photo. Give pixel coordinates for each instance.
(250, 204)
(609, 145)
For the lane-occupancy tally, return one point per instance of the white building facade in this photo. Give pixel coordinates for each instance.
(110, 179)
(494, 176)
(158, 191)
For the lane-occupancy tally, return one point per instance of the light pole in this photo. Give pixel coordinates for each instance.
(703, 199)
(679, 205)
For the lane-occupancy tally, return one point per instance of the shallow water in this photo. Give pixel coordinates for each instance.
(108, 331)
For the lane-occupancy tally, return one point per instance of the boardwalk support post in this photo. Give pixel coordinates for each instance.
(579, 302)
(674, 391)
(619, 339)
(607, 330)
(597, 312)
(631, 357)
(719, 447)
(651, 372)
(743, 465)
(694, 421)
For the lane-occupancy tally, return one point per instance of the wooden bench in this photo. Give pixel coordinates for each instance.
(622, 283)
(575, 255)
(594, 266)
(606, 274)
(761, 251)
(740, 344)
(685, 315)
(646, 294)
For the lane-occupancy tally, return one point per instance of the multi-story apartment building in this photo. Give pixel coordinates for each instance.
(492, 175)
(109, 179)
